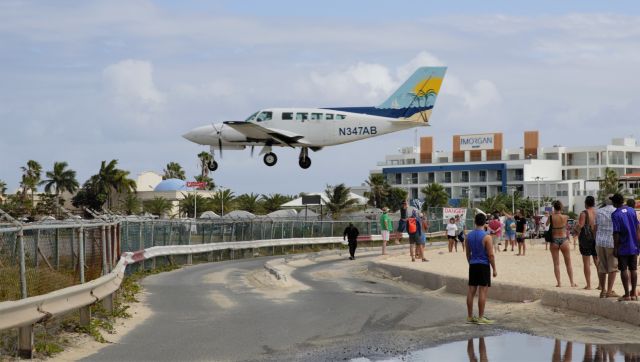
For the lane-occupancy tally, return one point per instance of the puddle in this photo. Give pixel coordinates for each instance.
(518, 347)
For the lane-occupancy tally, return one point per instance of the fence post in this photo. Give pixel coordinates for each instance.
(189, 256)
(85, 312)
(57, 249)
(109, 248)
(23, 266)
(35, 249)
(153, 243)
(103, 241)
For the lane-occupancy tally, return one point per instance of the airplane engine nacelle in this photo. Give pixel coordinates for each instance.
(229, 134)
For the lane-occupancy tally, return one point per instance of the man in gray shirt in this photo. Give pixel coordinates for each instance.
(607, 262)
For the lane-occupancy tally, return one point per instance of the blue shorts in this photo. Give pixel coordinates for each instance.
(510, 236)
(402, 226)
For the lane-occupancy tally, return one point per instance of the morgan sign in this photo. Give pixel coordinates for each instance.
(477, 142)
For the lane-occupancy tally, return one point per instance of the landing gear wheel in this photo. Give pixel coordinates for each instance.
(270, 159)
(213, 165)
(304, 162)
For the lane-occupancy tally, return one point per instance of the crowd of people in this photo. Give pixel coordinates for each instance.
(608, 236)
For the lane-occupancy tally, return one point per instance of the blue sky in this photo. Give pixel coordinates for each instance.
(97, 80)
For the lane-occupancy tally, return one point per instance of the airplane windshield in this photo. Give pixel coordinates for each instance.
(251, 117)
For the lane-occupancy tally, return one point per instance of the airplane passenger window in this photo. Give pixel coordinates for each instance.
(316, 116)
(287, 115)
(328, 116)
(302, 116)
(340, 116)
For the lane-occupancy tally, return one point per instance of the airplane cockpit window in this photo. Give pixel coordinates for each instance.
(287, 116)
(340, 116)
(251, 117)
(302, 116)
(316, 116)
(264, 116)
(328, 116)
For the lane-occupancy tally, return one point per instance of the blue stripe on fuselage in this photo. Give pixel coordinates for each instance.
(382, 112)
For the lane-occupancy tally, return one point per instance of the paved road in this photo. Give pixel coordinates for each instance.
(211, 312)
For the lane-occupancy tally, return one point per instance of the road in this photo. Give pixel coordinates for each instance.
(225, 311)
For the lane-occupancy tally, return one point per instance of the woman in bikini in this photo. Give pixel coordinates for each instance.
(559, 244)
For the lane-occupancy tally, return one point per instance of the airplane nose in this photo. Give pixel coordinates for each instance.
(199, 134)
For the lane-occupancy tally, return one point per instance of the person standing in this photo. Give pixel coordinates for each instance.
(545, 228)
(509, 232)
(402, 223)
(424, 227)
(586, 238)
(626, 231)
(495, 229)
(481, 259)
(559, 232)
(415, 232)
(386, 226)
(607, 262)
(351, 234)
(452, 234)
(521, 232)
(462, 230)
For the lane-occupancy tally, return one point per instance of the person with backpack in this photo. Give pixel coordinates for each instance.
(414, 229)
(587, 238)
(351, 234)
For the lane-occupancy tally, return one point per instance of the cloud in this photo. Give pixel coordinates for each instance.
(361, 82)
(132, 89)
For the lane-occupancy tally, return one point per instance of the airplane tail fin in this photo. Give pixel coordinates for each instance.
(415, 99)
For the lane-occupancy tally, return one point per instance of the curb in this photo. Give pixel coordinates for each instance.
(628, 312)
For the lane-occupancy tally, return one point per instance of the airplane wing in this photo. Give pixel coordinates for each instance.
(257, 133)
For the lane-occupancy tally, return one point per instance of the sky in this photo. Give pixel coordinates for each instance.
(89, 81)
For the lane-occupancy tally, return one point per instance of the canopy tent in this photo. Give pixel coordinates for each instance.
(209, 215)
(240, 214)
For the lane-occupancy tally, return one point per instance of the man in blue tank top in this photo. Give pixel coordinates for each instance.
(480, 257)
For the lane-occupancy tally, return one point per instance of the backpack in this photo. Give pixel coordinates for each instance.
(412, 225)
(586, 233)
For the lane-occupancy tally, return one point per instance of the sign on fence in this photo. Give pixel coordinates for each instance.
(449, 212)
(196, 184)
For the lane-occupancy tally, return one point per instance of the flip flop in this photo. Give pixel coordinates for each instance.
(624, 298)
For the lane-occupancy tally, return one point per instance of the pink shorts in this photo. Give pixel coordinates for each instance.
(385, 235)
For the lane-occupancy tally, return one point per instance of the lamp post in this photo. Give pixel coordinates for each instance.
(513, 199)
(538, 179)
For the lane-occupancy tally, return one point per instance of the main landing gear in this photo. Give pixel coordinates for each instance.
(304, 161)
(213, 165)
(270, 159)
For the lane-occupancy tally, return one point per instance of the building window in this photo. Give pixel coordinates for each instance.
(414, 193)
(431, 177)
(448, 191)
(514, 157)
(483, 177)
(398, 178)
(519, 174)
(447, 177)
(414, 179)
(499, 175)
(483, 192)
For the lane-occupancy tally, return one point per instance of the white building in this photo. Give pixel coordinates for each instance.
(479, 167)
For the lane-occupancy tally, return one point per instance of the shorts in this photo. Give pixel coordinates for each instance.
(423, 239)
(510, 236)
(479, 275)
(627, 261)
(587, 248)
(520, 237)
(414, 238)
(607, 263)
(460, 237)
(402, 226)
(452, 237)
(385, 235)
(495, 239)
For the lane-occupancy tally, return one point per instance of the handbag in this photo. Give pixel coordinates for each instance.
(548, 237)
(586, 236)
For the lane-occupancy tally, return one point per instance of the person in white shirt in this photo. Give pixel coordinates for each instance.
(545, 227)
(452, 233)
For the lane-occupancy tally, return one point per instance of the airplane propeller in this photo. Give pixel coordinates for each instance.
(219, 133)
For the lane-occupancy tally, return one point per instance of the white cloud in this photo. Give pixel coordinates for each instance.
(130, 83)
(362, 82)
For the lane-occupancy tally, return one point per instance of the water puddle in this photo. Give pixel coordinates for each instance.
(518, 347)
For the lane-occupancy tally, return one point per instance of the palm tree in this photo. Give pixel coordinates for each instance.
(157, 206)
(376, 183)
(339, 200)
(30, 178)
(248, 202)
(130, 204)
(191, 202)
(109, 178)
(435, 196)
(60, 179)
(500, 202)
(609, 185)
(205, 158)
(223, 202)
(174, 170)
(3, 190)
(206, 179)
(272, 202)
(395, 197)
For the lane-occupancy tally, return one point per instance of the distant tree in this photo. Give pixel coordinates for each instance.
(273, 202)
(47, 205)
(30, 178)
(174, 170)
(130, 204)
(223, 202)
(249, 202)
(395, 197)
(609, 185)
(3, 190)
(207, 180)
(157, 206)
(17, 206)
(192, 202)
(435, 196)
(339, 200)
(377, 189)
(101, 186)
(61, 180)
(495, 203)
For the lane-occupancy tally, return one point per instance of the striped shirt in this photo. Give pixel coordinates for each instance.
(604, 235)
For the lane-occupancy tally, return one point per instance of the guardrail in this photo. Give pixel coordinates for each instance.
(24, 313)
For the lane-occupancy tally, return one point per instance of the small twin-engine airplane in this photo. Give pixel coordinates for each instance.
(314, 128)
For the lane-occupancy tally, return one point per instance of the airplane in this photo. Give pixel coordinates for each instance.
(315, 128)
